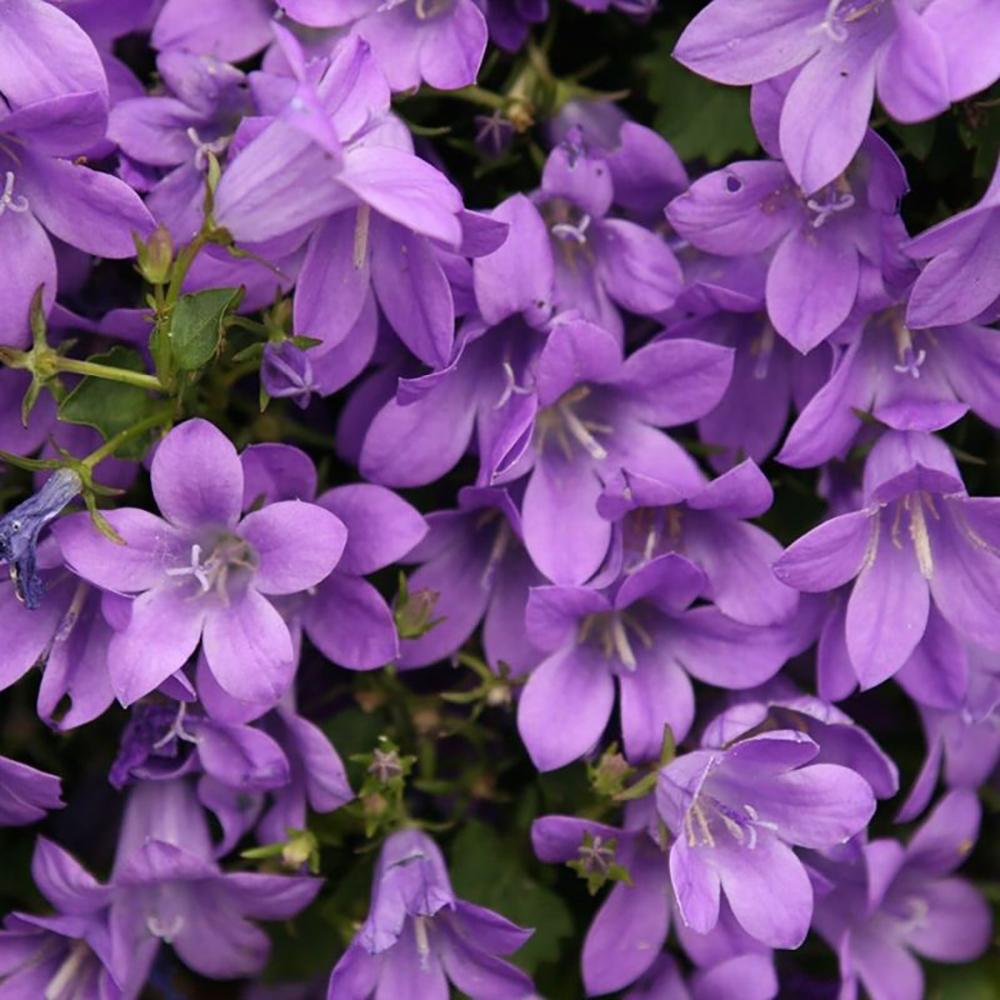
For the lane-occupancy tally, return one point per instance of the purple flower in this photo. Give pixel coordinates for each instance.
(510, 20)
(705, 523)
(67, 635)
(643, 633)
(962, 742)
(232, 30)
(418, 936)
(910, 380)
(346, 617)
(202, 572)
(779, 704)
(890, 901)
(47, 119)
(736, 816)
(919, 543)
(474, 563)
(631, 925)
(827, 245)
(26, 793)
(920, 56)
(961, 280)
(565, 252)
(174, 133)
(598, 414)
(749, 976)
(67, 954)
(167, 888)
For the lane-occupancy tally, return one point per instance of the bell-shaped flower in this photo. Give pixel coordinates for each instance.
(174, 132)
(46, 119)
(642, 633)
(960, 280)
(565, 251)
(68, 953)
(924, 558)
(418, 936)
(910, 380)
(737, 814)
(778, 704)
(168, 889)
(888, 902)
(825, 245)
(705, 523)
(963, 742)
(203, 572)
(918, 56)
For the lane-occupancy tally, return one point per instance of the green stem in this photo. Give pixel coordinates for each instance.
(139, 379)
(155, 419)
(475, 95)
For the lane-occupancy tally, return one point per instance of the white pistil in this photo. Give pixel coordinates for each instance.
(176, 730)
(824, 210)
(202, 148)
(361, 226)
(423, 945)
(8, 200)
(568, 231)
(65, 973)
(197, 569)
(165, 932)
(911, 362)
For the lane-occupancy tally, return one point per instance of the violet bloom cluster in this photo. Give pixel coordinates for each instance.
(578, 415)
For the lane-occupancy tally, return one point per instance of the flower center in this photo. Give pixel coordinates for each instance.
(707, 819)
(8, 200)
(910, 358)
(203, 148)
(609, 630)
(597, 856)
(561, 420)
(911, 507)
(840, 13)
(228, 565)
(832, 200)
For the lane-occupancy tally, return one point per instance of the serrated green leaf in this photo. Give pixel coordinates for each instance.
(486, 870)
(196, 328)
(111, 407)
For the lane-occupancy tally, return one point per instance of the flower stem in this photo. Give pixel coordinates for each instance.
(139, 379)
(158, 417)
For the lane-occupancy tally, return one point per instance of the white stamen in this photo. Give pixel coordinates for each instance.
(921, 539)
(361, 226)
(581, 431)
(423, 945)
(826, 209)
(65, 973)
(17, 204)
(623, 647)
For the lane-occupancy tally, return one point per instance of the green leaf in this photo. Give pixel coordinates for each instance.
(488, 871)
(196, 328)
(111, 407)
(916, 139)
(701, 120)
